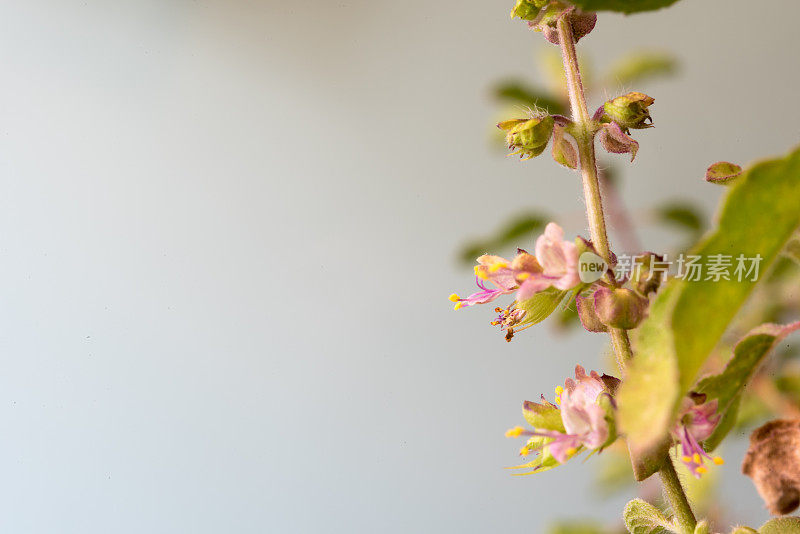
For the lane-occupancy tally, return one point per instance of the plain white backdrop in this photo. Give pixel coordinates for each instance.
(228, 233)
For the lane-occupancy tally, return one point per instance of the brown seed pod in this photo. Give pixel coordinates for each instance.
(773, 462)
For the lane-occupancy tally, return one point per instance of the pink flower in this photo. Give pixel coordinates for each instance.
(697, 422)
(555, 264)
(584, 419)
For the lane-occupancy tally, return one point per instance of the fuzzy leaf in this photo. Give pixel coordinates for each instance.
(727, 386)
(623, 6)
(543, 416)
(653, 370)
(641, 517)
(743, 530)
(781, 525)
(577, 527)
(688, 318)
(702, 528)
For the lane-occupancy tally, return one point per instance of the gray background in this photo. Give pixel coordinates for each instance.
(227, 233)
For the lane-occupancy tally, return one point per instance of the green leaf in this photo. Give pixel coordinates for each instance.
(518, 92)
(782, 525)
(623, 6)
(544, 416)
(688, 318)
(641, 517)
(702, 527)
(652, 370)
(743, 530)
(727, 386)
(638, 66)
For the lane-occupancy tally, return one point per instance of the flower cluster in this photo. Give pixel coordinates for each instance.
(580, 419)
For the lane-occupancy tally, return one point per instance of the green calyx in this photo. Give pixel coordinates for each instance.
(629, 111)
(528, 137)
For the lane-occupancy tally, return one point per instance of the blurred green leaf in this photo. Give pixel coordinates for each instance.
(623, 6)
(743, 530)
(641, 517)
(781, 525)
(639, 66)
(681, 215)
(748, 354)
(653, 370)
(518, 92)
(513, 232)
(687, 320)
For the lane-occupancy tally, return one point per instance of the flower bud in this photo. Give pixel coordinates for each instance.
(629, 111)
(646, 278)
(528, 137)
(614, 140)
(773, 462)
(620, 307)
(527, 9)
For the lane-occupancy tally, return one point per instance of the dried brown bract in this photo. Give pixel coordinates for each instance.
(773, 462)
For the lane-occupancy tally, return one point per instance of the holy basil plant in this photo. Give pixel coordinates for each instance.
(694, 332)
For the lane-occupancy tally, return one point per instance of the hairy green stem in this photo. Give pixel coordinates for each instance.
(583, 133)
(677, 497)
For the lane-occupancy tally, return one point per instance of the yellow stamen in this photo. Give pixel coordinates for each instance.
(454, 298)
(524, 451)
(558, 400)
(497, 266)
(523, 276)
(571, 451)
(559, 390)
(481, 273)
(458, 306)
(696, 458)
(718, 460)
(702, 470)
(514, 432)
(687, 459)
